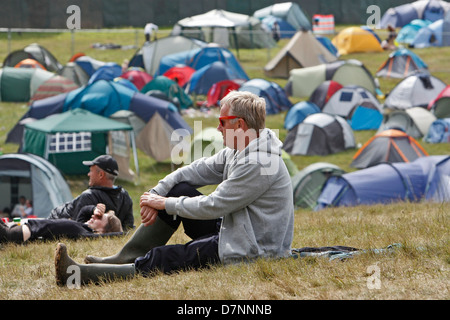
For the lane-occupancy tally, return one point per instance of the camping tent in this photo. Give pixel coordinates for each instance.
(302, 82)
(439, 131)
(205, 143)
(276, 99)
(319, 134)
(75, 73)
(303, 50)
(433, 34)
(289, 13)
(423, 9)
(308, 182)
(423, 179)
(298, 112)
(106, 98)
(388, 146)
(407, 34)
(415, 121)
(68, 138)
(180, 74)
(36, 52)
(416, 90)
(138, 77)
(324, 92)
(52, 87)
(20, 84)
(400, 64)
(36, 179)
(219, 90)
(29, 63)
(228, 29)
(203, 79)
(357, 105)
(440, 106)
(170, 89)
(149, 56)
(356, 39)
(199, 58)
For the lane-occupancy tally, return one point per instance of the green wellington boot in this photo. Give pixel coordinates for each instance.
(68, 272)
(141, 242)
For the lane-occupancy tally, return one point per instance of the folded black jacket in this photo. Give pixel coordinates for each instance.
(116, 199)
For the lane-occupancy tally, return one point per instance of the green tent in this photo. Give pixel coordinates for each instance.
(308, 183)
(68, 138)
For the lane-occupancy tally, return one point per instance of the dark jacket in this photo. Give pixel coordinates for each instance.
(116, 199)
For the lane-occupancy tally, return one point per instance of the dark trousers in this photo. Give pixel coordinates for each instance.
(201, 252)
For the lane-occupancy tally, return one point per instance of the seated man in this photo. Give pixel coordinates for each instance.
(100, 223)
(103, 171)
(249, 215)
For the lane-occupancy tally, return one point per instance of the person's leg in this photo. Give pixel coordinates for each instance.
(67, 270)
(146, 238)
(196, 254)
(11, 234)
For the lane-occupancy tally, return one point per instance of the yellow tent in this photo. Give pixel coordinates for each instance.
(356, 39)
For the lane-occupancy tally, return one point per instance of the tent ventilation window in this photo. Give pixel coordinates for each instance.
(70, 142)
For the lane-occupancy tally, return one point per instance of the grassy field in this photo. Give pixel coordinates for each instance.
(418, 270)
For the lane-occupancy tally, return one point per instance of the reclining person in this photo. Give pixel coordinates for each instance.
(103, 171)
(100, 224)
(250, 214)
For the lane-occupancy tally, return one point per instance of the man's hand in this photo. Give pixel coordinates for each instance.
(150, 204)
(99, 210)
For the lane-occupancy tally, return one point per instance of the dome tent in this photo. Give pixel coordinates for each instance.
(388, 146)
(319, 134)
(400, 64)
(440, 106)
(308, 182)
(303, 81)
(423, 179)
(36, 179)
(416, 90)
(356, 39)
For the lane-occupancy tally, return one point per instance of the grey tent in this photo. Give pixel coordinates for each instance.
(228, 29)
(417, 90)
(36, 179)
(414, 121)
(308, 182)
(319, 134)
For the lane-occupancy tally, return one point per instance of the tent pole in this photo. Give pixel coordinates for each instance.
(133, 145)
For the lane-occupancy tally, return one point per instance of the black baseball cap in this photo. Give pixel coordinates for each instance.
(106, 163)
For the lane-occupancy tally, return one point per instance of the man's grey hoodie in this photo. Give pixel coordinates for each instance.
(253, 196)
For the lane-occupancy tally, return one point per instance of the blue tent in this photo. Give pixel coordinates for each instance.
(432, 35)
(203, 79)
(439, 131)
(106, 98)
(109, 71)
(299, 112)
(286, 29)
(276, 98)
(424, 178)
(199, 58)
(409, 31)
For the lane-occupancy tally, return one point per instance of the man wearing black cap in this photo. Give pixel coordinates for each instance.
(103, 171)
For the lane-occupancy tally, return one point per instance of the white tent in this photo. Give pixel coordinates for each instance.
(228, 29)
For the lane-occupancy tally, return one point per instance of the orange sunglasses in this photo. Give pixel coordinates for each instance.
(222, 123)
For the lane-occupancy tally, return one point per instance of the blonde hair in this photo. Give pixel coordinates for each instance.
(113, 224)
(248, 106)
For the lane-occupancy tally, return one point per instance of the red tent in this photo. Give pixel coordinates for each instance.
(219, 90)
(138, 77)
(52, 87)
(181, 75)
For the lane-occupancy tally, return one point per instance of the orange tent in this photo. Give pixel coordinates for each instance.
(29, 63)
